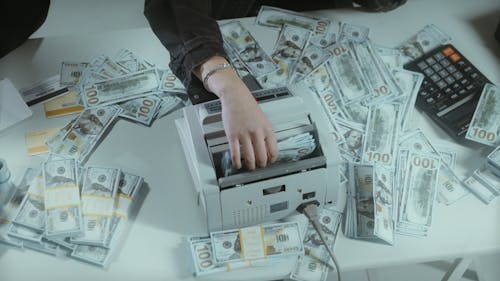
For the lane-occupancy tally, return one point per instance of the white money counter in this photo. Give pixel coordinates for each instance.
(154, 247)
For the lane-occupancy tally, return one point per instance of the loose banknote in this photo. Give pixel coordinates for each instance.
(99, 188)
(62, 199)
(128, 190)
(423, 41)
(316, 262)
(247, 48)
(485, 125)
(120, 89)
(257, 242)
(86, 132)
(419, 193)
(141, 110)
(381, 134)
(324, 30)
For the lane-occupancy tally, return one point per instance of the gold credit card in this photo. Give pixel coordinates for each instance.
(35, 141)
(63, 105)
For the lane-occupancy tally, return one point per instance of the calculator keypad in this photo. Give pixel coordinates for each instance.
(451, 88)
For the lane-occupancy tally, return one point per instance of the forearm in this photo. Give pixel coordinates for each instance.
(187, 30)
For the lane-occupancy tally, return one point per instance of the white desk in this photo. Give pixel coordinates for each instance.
(153, 249)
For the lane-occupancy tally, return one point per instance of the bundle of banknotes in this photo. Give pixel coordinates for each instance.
(64, 209)
(485, 181)
(290, 149)
(265, 245)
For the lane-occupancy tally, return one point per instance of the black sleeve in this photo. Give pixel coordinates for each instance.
(187, 30)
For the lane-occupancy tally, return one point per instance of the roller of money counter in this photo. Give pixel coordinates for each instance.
(306, 169)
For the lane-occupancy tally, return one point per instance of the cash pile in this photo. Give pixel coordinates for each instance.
(265, 245)
(125, 86)
(369, 100)
(485, 181)
(65, 209)
(290, 149)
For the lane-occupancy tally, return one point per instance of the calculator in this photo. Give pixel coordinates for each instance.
(451, 88)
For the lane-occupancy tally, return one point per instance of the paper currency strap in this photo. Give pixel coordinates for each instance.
(252, 242)
(98, 206)
(122, 206)
(62, 196)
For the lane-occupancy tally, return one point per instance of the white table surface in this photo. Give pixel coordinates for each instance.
(153, 249)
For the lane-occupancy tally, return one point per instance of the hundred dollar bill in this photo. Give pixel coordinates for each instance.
(168, 104)
(203, 258)
(362, 208)
(62, 199)
(170, 83)
(485, 125)
(381, 81)
(383, 186)
(349, 78)
(494, 161)
(110, 69)
(257, 242)
(450, 187)
(316, 262)
(92, 254)
(312, 57)
(31, 214)
(86, 132)
(24, 233)
(481, 191)
(43, 246)
(54, 141)
(488, 179)
(98, 200)
(9, 210)
(120, 89)
(423, 41)
(324, 30)
(236, 62)
(410, 83)
(352, 32)
(382, 132)
(390, 56)
(128, 188)
(419, 191)
(247, 48)
(128, 60)
(71, 72)
(141, 110)
(289, 46)
(353, 136)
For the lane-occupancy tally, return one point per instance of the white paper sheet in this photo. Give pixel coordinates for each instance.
(12, 107)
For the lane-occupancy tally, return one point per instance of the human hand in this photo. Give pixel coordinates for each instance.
(249, 132)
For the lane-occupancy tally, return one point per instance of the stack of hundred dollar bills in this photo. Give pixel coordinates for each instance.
(265, 245)
(125, 86)
(63, 209)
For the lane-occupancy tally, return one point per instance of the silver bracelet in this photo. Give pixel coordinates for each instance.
(213, 71)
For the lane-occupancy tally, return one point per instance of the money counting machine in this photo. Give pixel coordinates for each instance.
(271, 193)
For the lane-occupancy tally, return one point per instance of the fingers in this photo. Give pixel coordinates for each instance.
(272, 146)
(234, 147)
(248, 152)
(260, 150)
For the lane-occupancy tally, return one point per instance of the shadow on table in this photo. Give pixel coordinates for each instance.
(486, 25)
